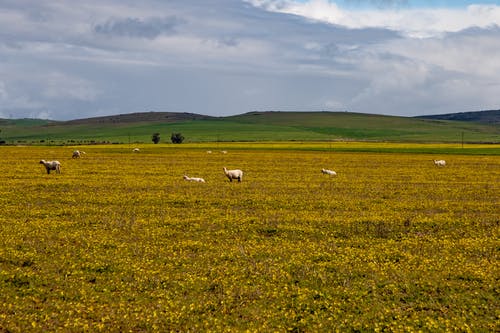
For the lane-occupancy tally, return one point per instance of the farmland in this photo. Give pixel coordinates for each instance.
(119, 242)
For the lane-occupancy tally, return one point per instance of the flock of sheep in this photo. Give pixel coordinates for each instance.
(236, 174)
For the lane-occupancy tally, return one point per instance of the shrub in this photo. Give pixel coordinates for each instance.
(177, 138)
(155, 138)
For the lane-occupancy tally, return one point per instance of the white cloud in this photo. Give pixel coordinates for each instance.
(425, 76)
(413, 22)
(462, 52)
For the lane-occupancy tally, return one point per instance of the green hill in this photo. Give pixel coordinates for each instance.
(252, 126)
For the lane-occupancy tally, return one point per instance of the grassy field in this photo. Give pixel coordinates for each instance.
(257, 126)
(120, 242)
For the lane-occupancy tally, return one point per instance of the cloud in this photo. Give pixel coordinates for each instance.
(222, 57)
(3, 92)
(414, 22)
(12, 101)
(456, 52)
(62, 86)
(417, 76)
(383, 4)
(149, 28)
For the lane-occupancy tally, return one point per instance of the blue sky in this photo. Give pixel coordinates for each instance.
(67, 60)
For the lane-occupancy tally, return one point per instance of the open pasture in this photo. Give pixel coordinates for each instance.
(120, 242)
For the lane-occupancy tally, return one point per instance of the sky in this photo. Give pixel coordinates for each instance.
(66, 60)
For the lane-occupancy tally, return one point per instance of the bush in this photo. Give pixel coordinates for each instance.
(155, 138)
(177, 138)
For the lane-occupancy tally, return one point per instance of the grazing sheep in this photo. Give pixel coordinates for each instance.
(209, 152)
(233, 174)
(194, 179)
(223, 151)
(136, 150)
(51, 165)
(78, 153)
(440, 162)
(329, 172)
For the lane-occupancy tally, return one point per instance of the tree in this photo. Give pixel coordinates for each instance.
(177, 138)
(156, 138)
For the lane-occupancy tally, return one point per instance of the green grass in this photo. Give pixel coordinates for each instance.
(347, 125)
(315, 146)
(25, 122)
(268, 126)
(194, 131)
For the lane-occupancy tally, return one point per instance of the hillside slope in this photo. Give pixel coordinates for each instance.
(139, 117)
(487, 117)
(252, 126)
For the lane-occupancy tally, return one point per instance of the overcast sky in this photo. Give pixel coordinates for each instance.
(76, 59)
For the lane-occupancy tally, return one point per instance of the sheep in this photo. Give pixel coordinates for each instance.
(329, 172)
(223, 151)
(209, 152)
(136, 150)
(440, 163)
(51, 165)
(233, 174)
(78, 153)
(194, 179)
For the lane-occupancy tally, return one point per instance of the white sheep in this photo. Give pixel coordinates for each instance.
(209, 152)
(51, 165)
(223, 151)
(329, 172)
(78, 153)
(194, 179)
(440, 162)
(136, 150)
(233, 174)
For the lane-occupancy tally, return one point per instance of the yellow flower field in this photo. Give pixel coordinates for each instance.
(120, 242)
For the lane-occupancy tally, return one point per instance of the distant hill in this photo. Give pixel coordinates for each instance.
(140, 117)
(253, 126)
(25, 122)
(488, 117)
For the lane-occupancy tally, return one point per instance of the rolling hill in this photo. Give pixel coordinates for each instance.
(487, 117)
(140, 117)
(252, 126)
